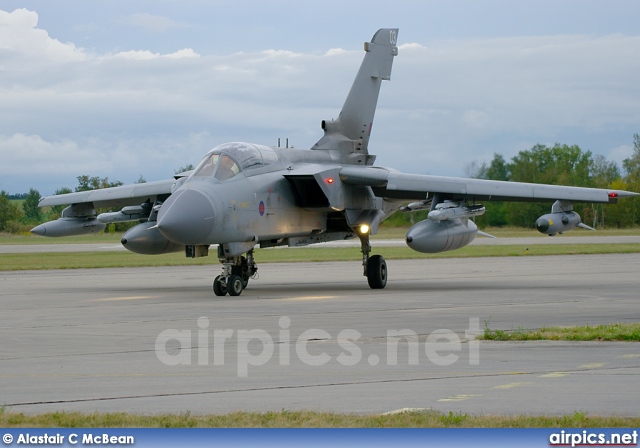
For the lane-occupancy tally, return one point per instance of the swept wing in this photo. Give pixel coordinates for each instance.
(395, 185)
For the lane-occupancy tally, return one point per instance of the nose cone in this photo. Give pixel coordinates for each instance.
(186, 218)
(542, 224)
(39, 230)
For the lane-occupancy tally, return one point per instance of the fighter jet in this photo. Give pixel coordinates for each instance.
(244, 196)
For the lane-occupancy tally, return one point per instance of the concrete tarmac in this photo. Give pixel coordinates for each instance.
(314, 336)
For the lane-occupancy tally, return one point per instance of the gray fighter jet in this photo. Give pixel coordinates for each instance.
(243, 196)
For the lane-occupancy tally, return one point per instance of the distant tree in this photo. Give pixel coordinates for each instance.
(56, 210)
(141, 180)
(603, 174)
(496, 170)
(183, 169)
(627, 212)
(32, 213)
(557, 165)
(17, 197)
(496, 214)
(86, 183)
(9, 212)
(632, 164)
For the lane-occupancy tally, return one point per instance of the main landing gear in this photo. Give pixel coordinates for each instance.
(375, 268)
(236, 272)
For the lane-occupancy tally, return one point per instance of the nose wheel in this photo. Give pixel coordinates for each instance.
(220, 286)
(236, 272)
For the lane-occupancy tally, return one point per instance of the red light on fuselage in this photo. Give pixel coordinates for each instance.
(329, 180)
(613, 194)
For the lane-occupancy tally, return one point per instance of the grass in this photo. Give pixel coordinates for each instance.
(609, 332)
(310, 419)
(110, 259)
(383, 233)
(28, 238)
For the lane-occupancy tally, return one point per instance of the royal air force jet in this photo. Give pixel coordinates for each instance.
(243, 196)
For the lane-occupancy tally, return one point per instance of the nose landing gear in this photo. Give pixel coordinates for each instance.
(236, 272)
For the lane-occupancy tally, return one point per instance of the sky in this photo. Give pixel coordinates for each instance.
(130, 88)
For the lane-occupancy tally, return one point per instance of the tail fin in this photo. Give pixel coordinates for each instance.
(350, 132)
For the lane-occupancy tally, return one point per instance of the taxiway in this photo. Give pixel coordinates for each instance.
(102, 339)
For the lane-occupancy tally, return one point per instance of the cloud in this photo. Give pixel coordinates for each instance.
(153, 23)
(449, 102)
(143, 55)
(20, 37)
(32, 158)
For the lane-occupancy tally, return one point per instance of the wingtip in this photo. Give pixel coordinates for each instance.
(622, 194)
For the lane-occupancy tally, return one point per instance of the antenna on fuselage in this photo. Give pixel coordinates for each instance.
(287, 142)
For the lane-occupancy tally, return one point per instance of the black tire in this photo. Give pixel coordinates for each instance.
(242, 271)
(377, 272)
(234, 285)
(219, 286)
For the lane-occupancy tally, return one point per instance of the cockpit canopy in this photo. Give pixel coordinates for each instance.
(225, 161)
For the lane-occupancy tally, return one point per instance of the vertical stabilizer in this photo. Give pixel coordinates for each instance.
(349, 134)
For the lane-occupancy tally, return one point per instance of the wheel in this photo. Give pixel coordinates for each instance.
(234, 285)
(220, 286)
(377, 272)
(242, 271)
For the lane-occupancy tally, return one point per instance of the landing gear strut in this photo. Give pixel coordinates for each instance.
(375, 268)
(236, 272)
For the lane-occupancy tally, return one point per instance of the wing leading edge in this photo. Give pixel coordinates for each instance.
(394, 185)
(114, 196)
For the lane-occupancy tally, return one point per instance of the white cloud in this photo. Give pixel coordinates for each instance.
(335, 52)
(32, 159)
(19, 36)
(145, 55)
(449, 102)
(184, 53)
(153, 23)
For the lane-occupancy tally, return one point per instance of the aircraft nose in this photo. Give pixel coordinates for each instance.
(187, 217)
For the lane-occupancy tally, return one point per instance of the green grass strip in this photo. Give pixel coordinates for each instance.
(309, 419)
(109, 259)
(610, 332)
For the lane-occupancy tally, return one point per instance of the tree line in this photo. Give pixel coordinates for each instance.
(564, 165)
(556, 165)
(20, 219)
(15, 218)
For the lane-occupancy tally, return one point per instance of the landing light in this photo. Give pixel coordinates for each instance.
(364, 229)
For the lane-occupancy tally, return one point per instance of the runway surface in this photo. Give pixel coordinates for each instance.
(103, 339)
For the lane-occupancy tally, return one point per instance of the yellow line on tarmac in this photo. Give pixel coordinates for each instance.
(512, 385)
(554, 375)
(594, 365)
(460, 397)
(311, 298)
(116, 299)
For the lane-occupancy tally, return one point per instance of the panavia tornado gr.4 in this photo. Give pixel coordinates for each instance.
(243, 196)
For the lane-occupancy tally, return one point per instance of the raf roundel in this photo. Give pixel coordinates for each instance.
(261, 208)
